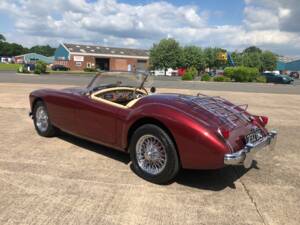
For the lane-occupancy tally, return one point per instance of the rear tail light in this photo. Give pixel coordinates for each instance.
(263, 120)
(224, 133)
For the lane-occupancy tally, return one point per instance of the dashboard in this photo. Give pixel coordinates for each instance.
(120, 96)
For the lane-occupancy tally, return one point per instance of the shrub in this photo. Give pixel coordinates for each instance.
(206, 77)
(261, 79)
(221, 79)
(22, 69)
(229, 71)
(187, 76)
(40, 67)
(190, 74)
(241, 73)
(90, 70)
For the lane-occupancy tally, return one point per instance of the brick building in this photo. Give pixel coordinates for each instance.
(79, 57)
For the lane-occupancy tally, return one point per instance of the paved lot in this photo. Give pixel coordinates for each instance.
(65, 180)
(160, 82)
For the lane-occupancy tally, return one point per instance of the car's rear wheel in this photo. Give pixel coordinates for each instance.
(41, 120)
(153, 154)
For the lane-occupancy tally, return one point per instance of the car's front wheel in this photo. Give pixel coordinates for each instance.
(153, 154)
(41, 120)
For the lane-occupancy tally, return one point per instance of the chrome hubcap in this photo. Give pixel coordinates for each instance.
(41, 119)
(151, 154)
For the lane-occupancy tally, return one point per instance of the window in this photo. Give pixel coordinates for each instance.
(89, 65)
(78, 63)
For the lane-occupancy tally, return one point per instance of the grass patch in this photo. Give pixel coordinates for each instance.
(9, 67)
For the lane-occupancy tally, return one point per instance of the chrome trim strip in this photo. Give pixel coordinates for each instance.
(238, 158)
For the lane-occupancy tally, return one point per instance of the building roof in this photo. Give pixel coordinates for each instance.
(102, 50)
(34, 57)
(287, 59)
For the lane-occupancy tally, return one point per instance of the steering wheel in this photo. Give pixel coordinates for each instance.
(135, 95)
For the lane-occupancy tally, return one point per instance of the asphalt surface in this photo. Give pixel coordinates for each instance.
(66, 180)
(159, 82)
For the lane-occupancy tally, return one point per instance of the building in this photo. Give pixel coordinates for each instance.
(32, 58)
(79, 57)
(4, 59)
(288, 66)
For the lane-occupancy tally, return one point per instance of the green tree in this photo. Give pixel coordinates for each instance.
(11, 49)
(252, 59)
(269, 61)
(45, 50)
(2, 38)
(237, 58)
(210, 56)
(192, 56)
(252, 49)
(166, 54)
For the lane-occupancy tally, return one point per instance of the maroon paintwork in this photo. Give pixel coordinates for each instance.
(194, 130)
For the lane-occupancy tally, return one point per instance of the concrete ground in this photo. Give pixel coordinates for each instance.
(65, 180)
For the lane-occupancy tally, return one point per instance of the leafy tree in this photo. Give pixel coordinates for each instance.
(210, 57)
(269, 61)
(45, 50)
(252, 49)
(2, 38)
(237, 58)
(193, 56)
(166, 54)
(252, 59)
(11, 49)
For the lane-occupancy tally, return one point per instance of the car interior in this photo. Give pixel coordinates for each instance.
(123, 96)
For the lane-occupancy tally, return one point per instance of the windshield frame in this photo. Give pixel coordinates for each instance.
(91, 88)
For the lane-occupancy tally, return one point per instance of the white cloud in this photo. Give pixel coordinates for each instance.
(267, 24)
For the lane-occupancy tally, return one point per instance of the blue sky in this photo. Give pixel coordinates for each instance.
(231, 24)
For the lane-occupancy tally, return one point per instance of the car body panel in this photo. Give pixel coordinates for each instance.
(278, 78)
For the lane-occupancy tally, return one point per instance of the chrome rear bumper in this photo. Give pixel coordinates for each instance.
(245, 155)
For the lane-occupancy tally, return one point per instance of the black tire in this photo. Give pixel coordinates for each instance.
(172, 165)
(50, 131)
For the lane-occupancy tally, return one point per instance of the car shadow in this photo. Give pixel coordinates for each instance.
(97, 148)
(214, 180)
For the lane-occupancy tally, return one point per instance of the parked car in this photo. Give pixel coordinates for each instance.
(58, 67)
(294, 75)
(162, 132)
(278, 78)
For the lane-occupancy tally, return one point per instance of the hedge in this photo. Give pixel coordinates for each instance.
(241, 73)
(206, 77)
(190, 74)
(40, 67)
(221, 79)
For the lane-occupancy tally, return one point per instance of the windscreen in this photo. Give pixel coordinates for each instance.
(137, 79)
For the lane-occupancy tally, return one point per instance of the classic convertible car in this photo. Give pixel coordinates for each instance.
(161, 132)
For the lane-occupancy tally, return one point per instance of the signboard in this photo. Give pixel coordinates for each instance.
(78, 58)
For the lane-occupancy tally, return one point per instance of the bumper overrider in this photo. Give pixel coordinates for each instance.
(245, 155)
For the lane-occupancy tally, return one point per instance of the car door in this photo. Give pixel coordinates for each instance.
(61, 107)
(96, 120)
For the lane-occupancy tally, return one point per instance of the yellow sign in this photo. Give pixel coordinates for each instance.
(222, 56)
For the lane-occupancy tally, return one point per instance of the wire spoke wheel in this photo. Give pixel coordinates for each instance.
(151, 154)
(42, 119)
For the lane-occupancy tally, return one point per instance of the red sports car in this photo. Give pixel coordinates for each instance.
(161, 132)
